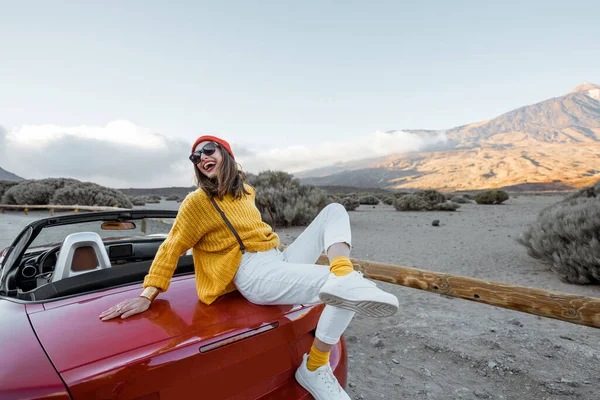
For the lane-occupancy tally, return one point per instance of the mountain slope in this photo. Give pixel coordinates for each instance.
(8, 176)
(554, 142)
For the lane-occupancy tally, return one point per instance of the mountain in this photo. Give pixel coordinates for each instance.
(8, 176)
(551, 144)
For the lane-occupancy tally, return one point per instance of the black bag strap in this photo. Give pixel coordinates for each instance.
(242, 247)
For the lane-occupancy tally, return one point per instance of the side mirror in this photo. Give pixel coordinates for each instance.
(117, 226)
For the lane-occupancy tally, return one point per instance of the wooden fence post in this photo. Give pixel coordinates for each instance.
(566, 307)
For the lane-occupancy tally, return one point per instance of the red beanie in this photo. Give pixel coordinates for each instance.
(215, 139)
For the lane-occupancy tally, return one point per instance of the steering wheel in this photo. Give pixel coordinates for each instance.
(44, 258)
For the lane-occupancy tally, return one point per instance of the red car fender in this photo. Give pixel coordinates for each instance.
(26, 371)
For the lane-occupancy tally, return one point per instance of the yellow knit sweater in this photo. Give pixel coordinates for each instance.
(215, 250)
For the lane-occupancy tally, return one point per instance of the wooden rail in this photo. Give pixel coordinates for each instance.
(563, 306)
(52, 207)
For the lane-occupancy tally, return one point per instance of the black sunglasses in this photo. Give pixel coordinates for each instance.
(208, 149)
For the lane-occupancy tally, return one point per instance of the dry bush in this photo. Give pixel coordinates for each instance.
(29, 192)
(431, 197)
(491, 197)
(410, 202)
(567, 237)
(389, 200)
(586, 192)
(152, 199)
(281, 197)
(5, 185)
(58, 183)
(349, 203)
(369, 200)
(172, 197)
(425, 200)
(138, 201)
(90, 194)
(34, 191)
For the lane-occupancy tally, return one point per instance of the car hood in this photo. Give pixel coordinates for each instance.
(73, 335)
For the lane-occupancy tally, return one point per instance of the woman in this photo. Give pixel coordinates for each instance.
(234, 249)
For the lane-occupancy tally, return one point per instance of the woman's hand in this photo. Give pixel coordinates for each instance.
(126, 308)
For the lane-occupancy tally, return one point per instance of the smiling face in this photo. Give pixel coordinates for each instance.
(209, 165)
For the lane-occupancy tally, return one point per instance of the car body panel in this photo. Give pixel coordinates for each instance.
(157, 354)
(180, 348)
(26, 372)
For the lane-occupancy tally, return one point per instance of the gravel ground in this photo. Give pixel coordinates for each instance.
(438, 347)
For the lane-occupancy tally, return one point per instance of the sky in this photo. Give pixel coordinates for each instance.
(115, 92)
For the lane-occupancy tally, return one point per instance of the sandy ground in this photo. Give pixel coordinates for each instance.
(439, 347)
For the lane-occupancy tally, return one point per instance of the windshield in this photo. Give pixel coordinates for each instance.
(16, 251)
(54, 235)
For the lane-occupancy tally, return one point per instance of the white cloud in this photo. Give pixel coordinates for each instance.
(119, 154)
(122, 154)
(377, 144)
(118, 132)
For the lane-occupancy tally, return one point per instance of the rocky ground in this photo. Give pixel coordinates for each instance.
(438, 347)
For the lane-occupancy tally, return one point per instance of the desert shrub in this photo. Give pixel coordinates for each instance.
(460, 200)
(5, 185)
(138, 201)
(349, 203)
(283, 201)
(30, 192)
(468, 196)
(90, 194)
(172, 197)
(566, 236)
(410, 202)
(446, 206)
(425, 200)
(400, 194)
(369, 200)
(389, 200)
(491, 197)
(58, 183)
(431, 197)
(586, 192)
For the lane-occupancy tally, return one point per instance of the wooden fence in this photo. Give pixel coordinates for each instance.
(563, 306)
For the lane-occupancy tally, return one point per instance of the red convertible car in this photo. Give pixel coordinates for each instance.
(61, 272)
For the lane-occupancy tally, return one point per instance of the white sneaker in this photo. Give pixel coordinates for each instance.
(354, 292)
(321, 383)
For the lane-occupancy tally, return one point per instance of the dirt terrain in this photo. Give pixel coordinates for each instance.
(439, 347)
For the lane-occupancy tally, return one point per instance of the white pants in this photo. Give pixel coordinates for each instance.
(292, 277)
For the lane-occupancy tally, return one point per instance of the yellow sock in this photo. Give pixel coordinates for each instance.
(316, 358)
(341, 266)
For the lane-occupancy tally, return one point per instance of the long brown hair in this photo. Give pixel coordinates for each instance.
(229, 178)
